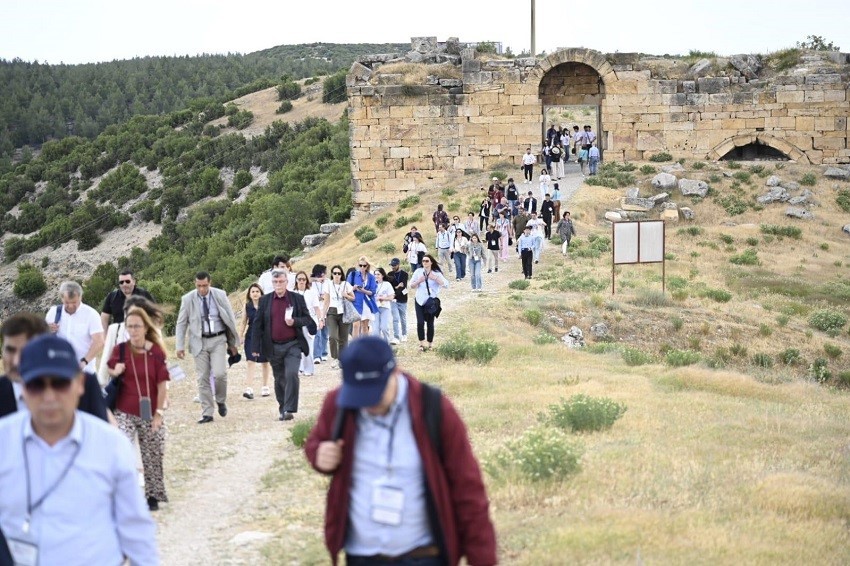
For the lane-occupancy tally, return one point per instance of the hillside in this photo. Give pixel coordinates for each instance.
(41, 101)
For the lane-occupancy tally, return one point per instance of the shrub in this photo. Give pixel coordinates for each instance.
(727, 239)
(545, 338)
(765, 330)
(461, 347)
(288, 90)
(541, 453)
(651, 298)
(533, 317)
(365, 234)
(751, 241)
(677, 323)
(844, 378)
(732, 204)
(789, 231)
(738, 350)
(679, 358)
(635, 357)
(519, 284)
(333, 89)
(284, 107)
(762, 361)
(690, 231)
(382, 221)
(818, 371)
(747, 257)
(30, 282)
(843, 200)
(241, 119)
(661, 157)
(300, 431)
(734, 165)
(742, 176)
(448, 191)
(718, 295)
(832, 351)
(698, 165)
(648, 169)
(808, 180)
(407, 202)
(782, 320)
(387, 248)
(827, 320)
(582, 413)
(790, 356)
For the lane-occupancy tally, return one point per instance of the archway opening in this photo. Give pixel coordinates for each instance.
(571, 94)
(755, 151)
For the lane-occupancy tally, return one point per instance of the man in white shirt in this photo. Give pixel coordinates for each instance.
(69, 484)
(537, 230)
(279, 263)
(77, 323)
(528, 161)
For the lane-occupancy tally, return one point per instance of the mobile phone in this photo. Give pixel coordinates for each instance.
(145, 410)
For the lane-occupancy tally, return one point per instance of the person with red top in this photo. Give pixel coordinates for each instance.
(396, 495)
(142, 396)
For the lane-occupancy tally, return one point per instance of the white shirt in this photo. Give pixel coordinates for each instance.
(96, 514)
(337, 293)
(529, 159)
(78, 329)
(413, 250)
(536, 226)
(265, 281)
(311, 297)
(385, 290)
(422, 291)
(18, 390)
(322, 288)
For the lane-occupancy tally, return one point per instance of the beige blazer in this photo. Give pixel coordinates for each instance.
(189, 318)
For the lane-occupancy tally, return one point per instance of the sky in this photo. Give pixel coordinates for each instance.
(86, 31)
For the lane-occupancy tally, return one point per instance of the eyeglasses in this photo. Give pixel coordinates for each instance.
(362, 265)
(426, 261)
(301, 279)
(124, 281)
(39, 384)
(337, 273)
(134, 326)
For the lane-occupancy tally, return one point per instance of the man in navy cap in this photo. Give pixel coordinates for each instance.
(68, 479)
(396, 495)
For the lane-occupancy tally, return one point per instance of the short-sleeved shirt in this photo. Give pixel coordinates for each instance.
(396, 277)
(78, 329)
(114, 303)
(143, 372)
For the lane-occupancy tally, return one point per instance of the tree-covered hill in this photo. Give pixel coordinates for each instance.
(40, 101)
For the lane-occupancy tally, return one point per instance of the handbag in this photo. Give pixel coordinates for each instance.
(113, 388)
(349, 313)
(432, 305)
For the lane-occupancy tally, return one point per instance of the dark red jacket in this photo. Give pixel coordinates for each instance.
(454, 485)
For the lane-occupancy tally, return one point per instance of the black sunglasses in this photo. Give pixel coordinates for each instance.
(124, 281)
(39, 384)
(337, 273)
(362, 265)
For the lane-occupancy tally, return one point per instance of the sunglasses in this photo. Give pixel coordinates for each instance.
(39, 384)
(362, 265)
(124, 281)
(337, 273)
(426, 261)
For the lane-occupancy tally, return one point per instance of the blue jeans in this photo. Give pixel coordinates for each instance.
(475, 269)
(399, 319)
(381, 324)
(320, 343)
(594, 163)
(460, 265)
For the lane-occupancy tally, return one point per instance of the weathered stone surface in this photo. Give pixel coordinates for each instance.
(797, 212)
(432, 80)
(773, 181)
(330, 227)
(664, 181)
(633, 214)
(669, 206)
(379, 58)
(713, 85)
(414, 57)
(790, 185)
(776, 194)
(600, 329)
(574, 338)
(423, 44)
(632, 192)
(748, 65)
(613, 216)
(846, 229)
(358, 73)
(637, 203)
(700, 69)
(450, 82)
(687, 213)
(673, 168)
(312, 240)
(837, 173)
(660, 197)
(453, 46)
(691, 187)
(670, 215)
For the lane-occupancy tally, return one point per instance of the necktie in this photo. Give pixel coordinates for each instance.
(207, 314)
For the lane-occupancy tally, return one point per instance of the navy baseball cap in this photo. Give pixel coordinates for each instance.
(367, 363)
(395, 261)
(49, 356)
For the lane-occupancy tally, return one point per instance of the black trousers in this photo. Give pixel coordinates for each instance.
(528, 171)
(285, 360)
(547, 228)
(424, 324)
(527, 261)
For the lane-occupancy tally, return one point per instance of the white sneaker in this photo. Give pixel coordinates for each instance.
(335, 365)
(317, 360)
(394, 342)
(404, 338)
(265, 392)
(324, 358)
(197, 399)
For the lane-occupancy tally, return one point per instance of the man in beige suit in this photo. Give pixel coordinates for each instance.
(206, 314)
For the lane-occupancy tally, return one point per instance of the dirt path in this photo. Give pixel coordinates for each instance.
(214, 472)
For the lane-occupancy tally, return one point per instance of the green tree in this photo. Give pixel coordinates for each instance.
(333, 89)
(817, 43)
(30, 282)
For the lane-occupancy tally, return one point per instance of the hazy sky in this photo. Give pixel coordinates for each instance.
(80, 31)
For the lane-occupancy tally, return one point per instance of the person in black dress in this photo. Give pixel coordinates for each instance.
(252, 300)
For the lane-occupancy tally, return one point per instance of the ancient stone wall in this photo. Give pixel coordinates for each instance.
(411, 135)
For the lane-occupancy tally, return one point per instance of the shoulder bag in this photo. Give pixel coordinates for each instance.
(113, 388)
(349, 313)
(432, 305)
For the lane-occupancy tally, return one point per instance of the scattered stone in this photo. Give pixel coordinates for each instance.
(632, 192)
(687, 213)
(664, 181)
(613, 216)
(557, 320)
(748, 65)
(638, 204)
(357, 74)
(423, 44)
(570, 314)
(691, 187)
(672, 168)
(250, 537)
(331, 227)
(846, 229)
(797, 212)
(453, 46)
(633, 215)
(773, 181)
(313, 240)
(837, 173)
(670, 215)
(776, 194)
(599, 329)
(669, 206)
(574, 338)
(790, 185)
(414, 57)
(660, 198)
(450, 82)
(432, 80)
(700, 69)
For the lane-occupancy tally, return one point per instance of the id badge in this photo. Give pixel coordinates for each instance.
(24, 553)
(387, 504)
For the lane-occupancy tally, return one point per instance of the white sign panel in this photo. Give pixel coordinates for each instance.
(625, 242)
(651, 242)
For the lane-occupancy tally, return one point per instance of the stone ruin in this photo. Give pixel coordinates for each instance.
(461, 110)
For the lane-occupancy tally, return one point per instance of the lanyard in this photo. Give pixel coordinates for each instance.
(391, 428)
(32, 507)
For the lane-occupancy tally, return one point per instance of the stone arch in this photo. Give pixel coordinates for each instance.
(793, 152)
(589, 57)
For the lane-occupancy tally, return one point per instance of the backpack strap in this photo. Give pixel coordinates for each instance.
(122, 347)
(58, 315)
(432, 410)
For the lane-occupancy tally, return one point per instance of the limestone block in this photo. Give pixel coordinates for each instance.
(359, 132)
(814, 96)
(712, 85)
(399, 184)
(637, 203)
(691, 187)
(450, 151)
(401, 112)
(426, 111)
(496, 110)
(829, 143)
(834, 95)
(399, 152)
(798, 212)
(828, 78)
(664, 181)
(670, 215)
(471, 130)
(612, 216)
(411, 164)
(824, 124)
(790, 96)
(468, 162)
(357, 113)
(687, 213)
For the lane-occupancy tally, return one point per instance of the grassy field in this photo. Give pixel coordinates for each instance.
(737, 458)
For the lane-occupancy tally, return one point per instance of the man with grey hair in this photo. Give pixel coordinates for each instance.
(77, 323)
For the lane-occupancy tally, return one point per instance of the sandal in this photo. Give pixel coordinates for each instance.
(422, 348)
